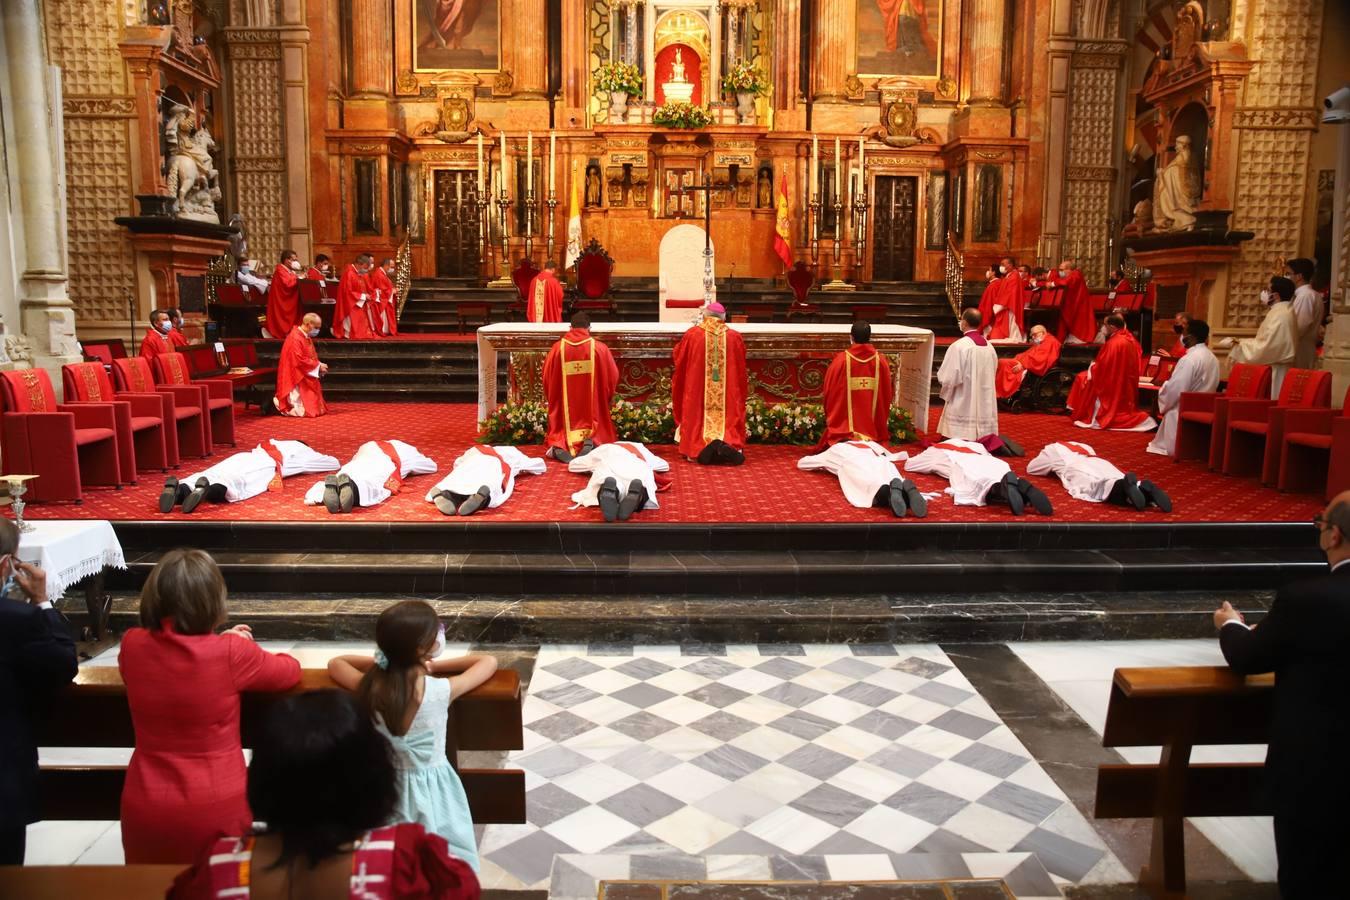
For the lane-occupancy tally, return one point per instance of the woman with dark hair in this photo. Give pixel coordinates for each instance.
(185, 784)
(323, 781)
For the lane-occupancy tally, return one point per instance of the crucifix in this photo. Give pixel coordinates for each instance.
(706, 189)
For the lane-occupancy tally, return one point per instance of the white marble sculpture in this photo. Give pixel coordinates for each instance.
(192, 179)
(1177, 192)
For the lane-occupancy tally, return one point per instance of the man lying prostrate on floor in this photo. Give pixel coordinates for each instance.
(623, 479)
(245, 475)
(977, 478)
(868, 476)
(482, 476)
(373, 475)
(1086, 476)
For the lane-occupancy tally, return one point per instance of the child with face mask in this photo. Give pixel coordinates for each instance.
(412, 709)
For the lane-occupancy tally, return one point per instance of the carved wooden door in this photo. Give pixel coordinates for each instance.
(894, 213)
(457, 234)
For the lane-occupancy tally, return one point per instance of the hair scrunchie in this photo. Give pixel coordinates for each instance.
(381, 660)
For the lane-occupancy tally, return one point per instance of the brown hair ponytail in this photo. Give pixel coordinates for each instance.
(403, 632)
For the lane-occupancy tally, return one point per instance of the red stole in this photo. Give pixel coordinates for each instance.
(394, 483)
(1077, 448)
(956, 448)
(272, 451)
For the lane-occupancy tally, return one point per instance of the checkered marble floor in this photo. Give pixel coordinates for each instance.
(811, 758)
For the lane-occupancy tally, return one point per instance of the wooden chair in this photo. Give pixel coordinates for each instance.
(139, 418)
(104, 882)
(521, 276)
(1254, 434)
(801, 279)
(1202, 417)
(67, 445)
(104, 351)
(475, 311)
(217, 394)
(1316, 440)
(95, 714)
(1177, 709)
(190, 421)
(595, 269)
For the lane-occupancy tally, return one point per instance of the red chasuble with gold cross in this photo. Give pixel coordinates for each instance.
(857, 397)
(580, 377)
(543, 301)
(709, 388)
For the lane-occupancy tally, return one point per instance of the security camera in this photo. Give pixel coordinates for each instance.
(1336, 107)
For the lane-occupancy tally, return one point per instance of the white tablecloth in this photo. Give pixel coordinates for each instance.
(70, 550)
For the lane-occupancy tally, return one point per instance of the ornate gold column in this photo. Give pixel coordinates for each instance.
(832, 31)
(985, 114)
(575, 66)
(1336, 347)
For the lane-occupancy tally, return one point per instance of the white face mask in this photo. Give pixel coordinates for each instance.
(1036, 339)
(295, 264)
(1266, 297)
(313, 332)
(1063, 273)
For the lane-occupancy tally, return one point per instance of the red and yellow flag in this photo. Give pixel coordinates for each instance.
(782, 235)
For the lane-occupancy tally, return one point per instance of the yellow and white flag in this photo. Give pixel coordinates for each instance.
(573, 223)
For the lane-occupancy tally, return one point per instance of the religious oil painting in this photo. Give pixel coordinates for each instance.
(456, 34)
(900, 37)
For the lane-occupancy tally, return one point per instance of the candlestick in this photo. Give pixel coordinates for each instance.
(552, 160)
(529, 163)
(815, 165)
(838, 171)
(837, 283)
(814, 204)
(503, 162)
(862, 158)
(17, 487)
(480, 163)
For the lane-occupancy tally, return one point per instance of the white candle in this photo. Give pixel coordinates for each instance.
(529, 163)
(502, 164)
(480, 163)
(838, 170)
(862, 160)
(552, 160)
(815, 166)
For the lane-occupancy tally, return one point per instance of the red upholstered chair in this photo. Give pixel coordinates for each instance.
(595, 269)
(1202, 417)
(217, 394)
(521, 276)
(1255, 431)
(65, 445)
(139, 418)
(801, 279)
(104, 351)
(193, 434)
(1311, 446)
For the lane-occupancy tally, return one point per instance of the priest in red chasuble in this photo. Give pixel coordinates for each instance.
(355, 301)
(299, 393)
(1037, 359)
(1002, 303)
(708, 391)
(156, 340)
(543, 301)
(580, 377)
(1077, 321)
(1107, 394)
(283, 297)
(858, 393)
(385, 312)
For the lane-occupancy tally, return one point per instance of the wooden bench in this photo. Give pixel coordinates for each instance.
(1179, 708)
(93, 712)
(104, 882)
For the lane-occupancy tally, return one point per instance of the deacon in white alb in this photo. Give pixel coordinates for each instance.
(373, 475)
(967, 377)
(1086, 476)
(978, 478)
(482, 476)
(623, 479)
(868, 476)
(1198, 370)
(245, 475)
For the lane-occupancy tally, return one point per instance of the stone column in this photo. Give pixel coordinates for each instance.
(367, 106)
(785, 64)
(294, 36)
(530, 50)
(48, 319)
(1336, 350)
(576, 66)
(986, 52)
(832, 34)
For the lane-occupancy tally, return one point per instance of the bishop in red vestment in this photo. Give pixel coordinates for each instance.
(283, 297)
(580, 377)
(299, 393)
(355, 301)
(1107, 394)
(1077, 321)
(1002, 303)
(385, 314)
(1037, 359)
(708, 391)
(858, 393)
(543, 301)
(156, 340)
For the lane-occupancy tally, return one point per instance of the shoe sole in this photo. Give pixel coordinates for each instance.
(330, 495)
(346, 491)
(193, 500)
(917, 504)
(608, 498)
(445, 505)
(168, 497)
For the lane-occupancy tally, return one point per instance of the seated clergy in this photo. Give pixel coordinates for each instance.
(580, 377)
(1106, 395)
(156, 340)
(1086, 476)
(623, 479)
(966, 379)
(1180, 325)
(1038, 359)
(245, 475)
(868, 476)
(176, 336)
(299, 393)
(481, 476)
(708, 391)
(977, 478)
(373, 475)
(1196, 371)
(858, 392)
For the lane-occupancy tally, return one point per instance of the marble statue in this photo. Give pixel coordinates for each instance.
(679, 88)
(1142, 223)
(192, 177)
(1177, 191)
(677, 67)
(592, 186)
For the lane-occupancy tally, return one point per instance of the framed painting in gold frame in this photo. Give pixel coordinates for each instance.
(918, 40)
(464, 35)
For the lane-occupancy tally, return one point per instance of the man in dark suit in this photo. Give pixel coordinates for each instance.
(37, 655)
(1303, 640)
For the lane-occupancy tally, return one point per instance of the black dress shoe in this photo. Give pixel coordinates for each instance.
(476, 501)
(914, 497)
(728, 455)
(586, 447)
(1035, 496)
(1136, 498)
(1156, 495)
(608, 497)
(1006, 491)
(445, 502)
(330, 494)
(635, 499)
(1013, 448)
(560, 454)
(168, 498)
(198, 494)
(348, 496)
(708, 455)
(896, 496)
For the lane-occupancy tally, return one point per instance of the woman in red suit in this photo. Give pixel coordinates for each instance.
(186, 782)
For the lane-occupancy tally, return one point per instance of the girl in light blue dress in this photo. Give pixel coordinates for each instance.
(412, 711)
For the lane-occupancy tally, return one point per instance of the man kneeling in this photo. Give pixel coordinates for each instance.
(1086, 476)
(623, 479)
(244, 475)
(373, 475)
(482, 476)
(978, 478)
(868, 476)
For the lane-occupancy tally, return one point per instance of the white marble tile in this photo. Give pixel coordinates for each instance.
(860, 867)
(678, 681)
(595, 782)
(739, 868)
(963, 781)
(852, 742)
(780, 782)
(687, 782)
(988, 827)
(691, 830)
(591, 829)
(791, 829)
(62, 843)
(890, 828)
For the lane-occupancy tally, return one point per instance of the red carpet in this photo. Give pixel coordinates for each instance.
(768, 488)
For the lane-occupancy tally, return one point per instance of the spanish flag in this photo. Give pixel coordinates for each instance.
(782, 236)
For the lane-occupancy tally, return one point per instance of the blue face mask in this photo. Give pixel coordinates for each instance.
(245, 269)
(166, 326)
(314, 333)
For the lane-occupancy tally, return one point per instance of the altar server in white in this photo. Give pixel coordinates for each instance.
(1086, 476)
(373, 475)
(868, 476)
(967, 378)
(1276, 341)
(1197, 370)
(482, 476)
(623, 479)
(977, 478)
(244, 475)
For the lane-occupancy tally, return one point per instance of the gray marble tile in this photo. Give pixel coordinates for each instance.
(927, 803)
(561, 726)
(571, 668)
(642, 762)
(723, 726)
(818, 762)
(782, 650)
(641, 842)
(742, 843)
(942, 693)
(531, 858)
(731, 763)
(804, 725)
(570, 881)
(701, 648)
(867, 694)
(843, 842)
(668, 867)
(1060, 855)
(873, 649)
(782, 668)
(713, 669)
(852, 667)
(884, 724)
(642, 726)
(964, 724)
(641, 804)
(924, 668)
(794, 695)
(554, 761)
(990, 760)
(548, 803)
(603, 648)
(904, 760)
(642, 695)
(567, 695)
(737, 805)
(799, 868)
(944, 841)
(1030, 879)
(831, 804)
(1024, 803)
(929, 866)
(717, 695)
(642, 668)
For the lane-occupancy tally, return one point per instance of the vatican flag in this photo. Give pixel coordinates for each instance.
(574, 223)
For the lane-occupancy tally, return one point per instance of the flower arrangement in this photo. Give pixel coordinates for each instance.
(901, 426)
(619, 76)
(647, 423)
(784, 423)
(674, 114)
(744, 78)
(515, 423)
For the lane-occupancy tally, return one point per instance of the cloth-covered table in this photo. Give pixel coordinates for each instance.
(73, 552)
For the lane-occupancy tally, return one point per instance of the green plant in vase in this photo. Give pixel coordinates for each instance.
(674, 114)
(622, 80)
(746, 81)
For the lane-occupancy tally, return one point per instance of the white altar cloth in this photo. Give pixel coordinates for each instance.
(70, 550)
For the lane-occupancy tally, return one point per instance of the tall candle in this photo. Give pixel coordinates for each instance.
(480, 163)
(529, 163)
(552, 160)
(502, 164)
(862, 157)
(838, 170)
(815, 166)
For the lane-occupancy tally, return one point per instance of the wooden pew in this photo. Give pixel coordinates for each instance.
(1178, 708)
(93, 712)
(70, 882)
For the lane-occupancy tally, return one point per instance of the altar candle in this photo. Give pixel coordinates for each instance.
(815, 166)
(862, 161)
(480, 163)
(502, 164)
(529, 163)
(552, 160)
(838, 170)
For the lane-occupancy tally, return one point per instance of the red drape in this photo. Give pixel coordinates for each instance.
(693, 71)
